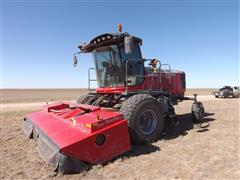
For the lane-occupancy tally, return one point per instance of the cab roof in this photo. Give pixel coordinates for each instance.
(106, 39)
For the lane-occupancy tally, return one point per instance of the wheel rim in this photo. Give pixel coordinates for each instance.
(148, 121)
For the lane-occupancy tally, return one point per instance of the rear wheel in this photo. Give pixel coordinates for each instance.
(236, 96)
(197, 112)
(145, 118)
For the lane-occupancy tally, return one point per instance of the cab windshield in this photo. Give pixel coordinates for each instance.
(108, 66)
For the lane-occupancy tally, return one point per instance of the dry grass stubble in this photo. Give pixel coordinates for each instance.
(182, 153)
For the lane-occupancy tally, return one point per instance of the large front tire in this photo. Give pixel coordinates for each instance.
(145, 118)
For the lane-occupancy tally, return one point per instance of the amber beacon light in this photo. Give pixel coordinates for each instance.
(120, 27)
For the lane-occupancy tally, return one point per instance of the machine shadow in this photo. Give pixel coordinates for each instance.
(185, 124)
(170, 132)
(136, 150)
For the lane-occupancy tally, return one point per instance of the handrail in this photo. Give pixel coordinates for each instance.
(89, 79)
(126, 75)
(169, 78)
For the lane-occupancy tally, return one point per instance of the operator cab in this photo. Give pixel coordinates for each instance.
(112, 53)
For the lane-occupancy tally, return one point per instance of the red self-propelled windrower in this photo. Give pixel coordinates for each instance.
(134, 99)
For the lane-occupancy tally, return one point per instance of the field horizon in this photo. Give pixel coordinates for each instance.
(18, 95)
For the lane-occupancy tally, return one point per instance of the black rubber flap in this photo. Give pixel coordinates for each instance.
(51, 153)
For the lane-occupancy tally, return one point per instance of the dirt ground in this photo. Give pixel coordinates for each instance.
(183, 152)
(39, 95)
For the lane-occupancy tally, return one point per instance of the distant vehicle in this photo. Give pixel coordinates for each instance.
(228, 91)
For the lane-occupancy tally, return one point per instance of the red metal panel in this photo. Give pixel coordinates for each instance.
(152, 81)
(117, 142)
(75, 134)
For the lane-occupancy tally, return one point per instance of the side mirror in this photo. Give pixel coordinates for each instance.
(75, 60)
(128, 43)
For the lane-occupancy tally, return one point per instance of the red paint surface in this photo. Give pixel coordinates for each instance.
(75, 135)
(153, 82)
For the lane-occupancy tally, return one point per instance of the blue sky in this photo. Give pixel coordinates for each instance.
(39, 38)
